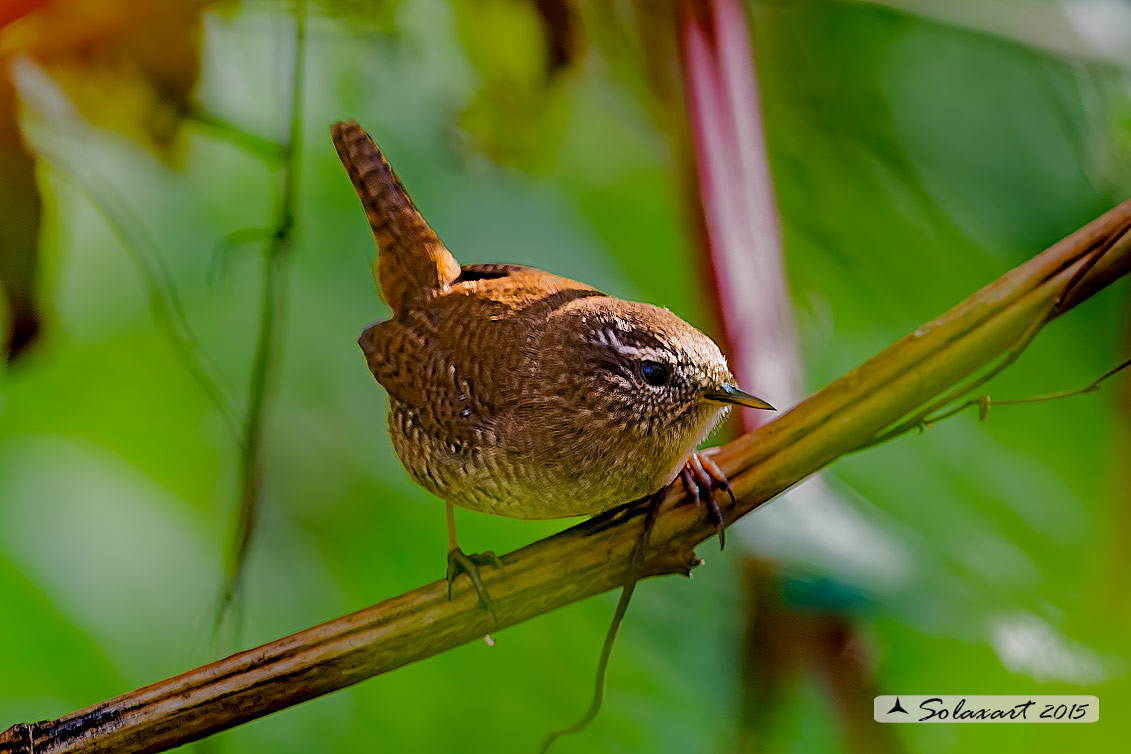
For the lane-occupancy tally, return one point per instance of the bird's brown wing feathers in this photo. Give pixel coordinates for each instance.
(466, 357)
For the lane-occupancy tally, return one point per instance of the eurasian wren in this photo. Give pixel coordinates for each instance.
(516, 392)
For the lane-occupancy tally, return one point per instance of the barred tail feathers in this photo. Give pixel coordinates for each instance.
(412, 262)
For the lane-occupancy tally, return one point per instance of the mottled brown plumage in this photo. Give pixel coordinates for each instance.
(517, 392)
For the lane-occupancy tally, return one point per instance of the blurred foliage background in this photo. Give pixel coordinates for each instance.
(919, 149)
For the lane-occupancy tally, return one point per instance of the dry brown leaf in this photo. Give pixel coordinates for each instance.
(19, 228)
(10, 10)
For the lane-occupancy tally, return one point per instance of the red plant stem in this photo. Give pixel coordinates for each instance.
(739, 209)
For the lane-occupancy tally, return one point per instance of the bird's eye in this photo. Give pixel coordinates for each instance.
(654, 373)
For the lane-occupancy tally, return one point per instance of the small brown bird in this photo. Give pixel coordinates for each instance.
(516, 392)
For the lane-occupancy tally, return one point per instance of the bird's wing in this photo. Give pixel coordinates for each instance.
(467, 357)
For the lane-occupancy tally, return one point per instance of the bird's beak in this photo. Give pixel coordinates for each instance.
(727, 393)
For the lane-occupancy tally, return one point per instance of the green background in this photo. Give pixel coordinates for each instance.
(914, 161)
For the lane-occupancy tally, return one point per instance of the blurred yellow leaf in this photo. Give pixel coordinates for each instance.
(129, 65)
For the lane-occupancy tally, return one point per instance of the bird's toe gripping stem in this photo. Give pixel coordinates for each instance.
(461, 562)
(703, 478)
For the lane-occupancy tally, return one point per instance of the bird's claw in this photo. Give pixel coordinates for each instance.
(703, 477)
(461, 562)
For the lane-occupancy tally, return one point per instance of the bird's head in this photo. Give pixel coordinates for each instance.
(644, 369)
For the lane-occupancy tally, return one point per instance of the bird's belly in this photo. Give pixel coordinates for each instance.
(482, 476)
(495, 485)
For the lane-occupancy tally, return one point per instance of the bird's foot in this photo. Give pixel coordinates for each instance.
(703, 478)
(460, 562)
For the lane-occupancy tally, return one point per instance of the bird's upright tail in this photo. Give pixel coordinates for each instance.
(412, 262)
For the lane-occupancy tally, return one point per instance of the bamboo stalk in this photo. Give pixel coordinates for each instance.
(592, 557)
